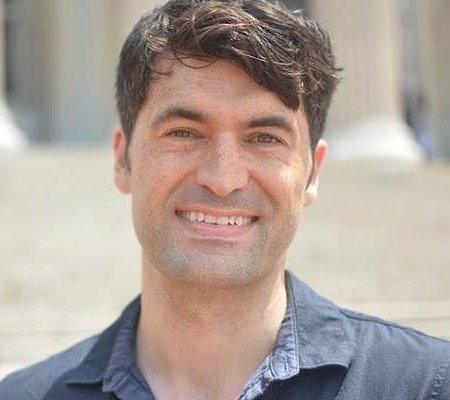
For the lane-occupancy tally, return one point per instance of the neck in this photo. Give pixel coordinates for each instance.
(206, 342)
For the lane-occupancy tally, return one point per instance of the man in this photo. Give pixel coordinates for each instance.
(222, 107)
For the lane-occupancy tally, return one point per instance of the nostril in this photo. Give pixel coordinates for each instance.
(222, 179)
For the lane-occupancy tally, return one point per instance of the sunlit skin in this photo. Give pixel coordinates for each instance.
(219, 171)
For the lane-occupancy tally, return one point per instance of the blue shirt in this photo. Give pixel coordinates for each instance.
(322, 352)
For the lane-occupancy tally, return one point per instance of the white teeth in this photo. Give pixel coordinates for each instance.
(222, 220)
(194, 216)
(209, 219)
(191, 216)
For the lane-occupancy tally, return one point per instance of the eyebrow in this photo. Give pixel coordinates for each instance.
(277, 121)
(179, 112)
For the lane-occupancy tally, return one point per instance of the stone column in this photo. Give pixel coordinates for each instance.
(130, 12)
(86, 37)
(79, 70)
(366, 117)
(11, 138)
(435, 33)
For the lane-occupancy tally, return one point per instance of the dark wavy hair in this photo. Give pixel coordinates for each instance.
(287, 53)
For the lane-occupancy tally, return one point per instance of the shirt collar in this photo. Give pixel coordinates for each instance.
(283, 362)
(323, 333)
(122, 374)
(313, 334)
(101, 361)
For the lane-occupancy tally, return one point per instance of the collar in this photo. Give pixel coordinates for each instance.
(314, 334)
(323, 333)
(122, 374)
(93, 368)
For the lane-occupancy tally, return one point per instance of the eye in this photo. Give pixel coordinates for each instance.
(181, 134)
(265, 138)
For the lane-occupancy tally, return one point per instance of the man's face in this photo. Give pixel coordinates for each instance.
(218, 172)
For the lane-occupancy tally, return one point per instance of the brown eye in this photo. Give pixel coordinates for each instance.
(266, 139)
(181, 134)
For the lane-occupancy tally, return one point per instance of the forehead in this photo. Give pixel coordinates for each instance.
(209, 84)
(219, 95)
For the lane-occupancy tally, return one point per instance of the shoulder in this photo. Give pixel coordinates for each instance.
(376, 332)
(400, 356)
(33, 382)
(383, 359)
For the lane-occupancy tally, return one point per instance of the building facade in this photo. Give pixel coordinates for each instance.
(59, 60)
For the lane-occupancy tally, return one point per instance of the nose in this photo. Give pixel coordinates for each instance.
(223, 169)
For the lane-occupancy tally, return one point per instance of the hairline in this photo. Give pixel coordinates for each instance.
(168, 55)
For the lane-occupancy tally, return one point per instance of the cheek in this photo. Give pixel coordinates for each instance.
(285, 185)
(152, 168)
(156, 176)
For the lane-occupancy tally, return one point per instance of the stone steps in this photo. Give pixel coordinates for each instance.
(378, 241)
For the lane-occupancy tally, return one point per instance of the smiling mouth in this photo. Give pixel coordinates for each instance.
(230, 220)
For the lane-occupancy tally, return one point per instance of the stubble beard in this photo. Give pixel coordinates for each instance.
(215, 264)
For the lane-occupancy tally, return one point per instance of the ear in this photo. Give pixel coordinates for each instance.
(312, 189)
(121, 167)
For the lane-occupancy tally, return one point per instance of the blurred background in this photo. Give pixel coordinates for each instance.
(378, 240)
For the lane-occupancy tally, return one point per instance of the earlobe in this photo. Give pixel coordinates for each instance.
(121, 169)
(312, 189)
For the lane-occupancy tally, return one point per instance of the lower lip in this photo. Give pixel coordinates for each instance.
(215, 231)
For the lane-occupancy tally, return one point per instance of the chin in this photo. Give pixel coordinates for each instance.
(213, 270)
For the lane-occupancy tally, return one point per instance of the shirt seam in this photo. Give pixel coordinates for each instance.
(367, 318)
(32, 394)
(137, 376)
(296, 327)
(439, 381)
